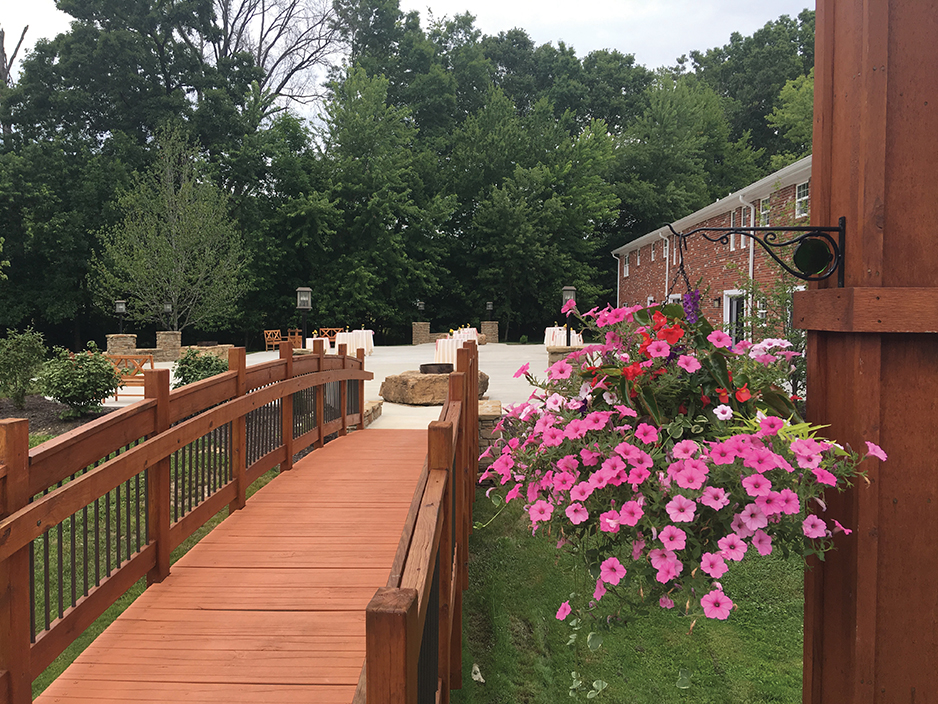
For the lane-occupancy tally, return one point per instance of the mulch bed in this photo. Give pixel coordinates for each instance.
(43, 415)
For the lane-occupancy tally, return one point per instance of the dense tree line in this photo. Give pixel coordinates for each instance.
(445, 165)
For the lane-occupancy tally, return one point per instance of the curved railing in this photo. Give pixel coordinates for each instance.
(87, 514)
(413, 625)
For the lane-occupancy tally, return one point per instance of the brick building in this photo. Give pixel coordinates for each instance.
(648, 265)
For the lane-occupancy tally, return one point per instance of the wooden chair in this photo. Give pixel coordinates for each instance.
(330, 333)
(295, 336)
(272, 339)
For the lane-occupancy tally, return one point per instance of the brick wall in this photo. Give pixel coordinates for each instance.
(648, 273)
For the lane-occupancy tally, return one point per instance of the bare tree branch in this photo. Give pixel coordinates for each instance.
(6, 67)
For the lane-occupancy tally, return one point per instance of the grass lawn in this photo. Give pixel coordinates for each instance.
(521, 650)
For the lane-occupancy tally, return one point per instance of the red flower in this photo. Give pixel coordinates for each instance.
(723, 395)
(682, 410)
(642, 348)
(672, 334)
(704, 399)
(633, 371)
(743, 395)
(660, 320)
(796, 397)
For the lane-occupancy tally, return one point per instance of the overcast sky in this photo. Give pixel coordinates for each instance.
(655, 31)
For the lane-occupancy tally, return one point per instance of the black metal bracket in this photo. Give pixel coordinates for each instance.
(767, 237)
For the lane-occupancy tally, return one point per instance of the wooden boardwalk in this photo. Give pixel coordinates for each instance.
(270, 606)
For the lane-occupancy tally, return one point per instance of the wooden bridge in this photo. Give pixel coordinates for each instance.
(338, 581)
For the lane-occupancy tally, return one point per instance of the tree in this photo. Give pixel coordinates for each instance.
(176, 244)
(793, 118)
(6, 70)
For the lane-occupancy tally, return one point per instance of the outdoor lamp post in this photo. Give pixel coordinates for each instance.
(420, 306)
(569, 294)
(167, 313)
(120, 307)
(304, 302)
(488, 308)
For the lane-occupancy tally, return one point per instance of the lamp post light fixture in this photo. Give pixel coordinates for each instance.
(569, 294)
(488, 308)
(304, 302)
(120, 307)
(420, 306)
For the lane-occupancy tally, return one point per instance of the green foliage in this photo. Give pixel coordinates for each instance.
(176, 244)
(81, 381)
(21, 358)
(193, 366)
(793, 117)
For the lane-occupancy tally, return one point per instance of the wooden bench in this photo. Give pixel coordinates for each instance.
(295, 337)
(330, 333)
(272, 339)
(130, 367)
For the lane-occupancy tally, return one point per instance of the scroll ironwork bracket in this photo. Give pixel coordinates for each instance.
(768, 239)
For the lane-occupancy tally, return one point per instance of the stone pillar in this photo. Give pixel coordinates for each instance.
(122, 344)
(871, 610)
(421, 333)
(490, 412)
(490, 330)
(168, 346)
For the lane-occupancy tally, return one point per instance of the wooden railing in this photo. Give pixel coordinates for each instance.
(413, 626)
(87, 514)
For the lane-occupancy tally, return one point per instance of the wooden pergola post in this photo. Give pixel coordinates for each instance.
(871, 609)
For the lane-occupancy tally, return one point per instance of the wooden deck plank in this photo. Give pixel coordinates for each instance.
(270, 606)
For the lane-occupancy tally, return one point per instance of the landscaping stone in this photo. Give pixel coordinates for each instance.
(415, 389)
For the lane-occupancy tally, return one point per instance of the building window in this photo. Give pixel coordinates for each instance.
(625, 265)
(653, 251)
(638, 256)
(734, 312)
(664, 253)
(802, 200)
(764, 210)
(677, 248)
(650, 301)
(675, 298)
(733, 223)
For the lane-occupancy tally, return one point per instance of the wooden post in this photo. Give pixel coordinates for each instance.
(343, 399)
(286, 409)
(439, 452)
(320, 351)
(871, 613)
(239, 445)
(361, 391)
(459, 389)
(14, 571)
(156, 386)
(392, 647)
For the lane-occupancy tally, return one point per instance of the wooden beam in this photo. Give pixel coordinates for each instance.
(871, 310)
(392, 647)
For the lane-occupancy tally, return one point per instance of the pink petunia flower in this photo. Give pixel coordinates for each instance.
(513, 493)
(824, 477)
(611, 571)
(718, 338)
(713, 564)
(568, 306)
(716, 605)
(648, 434)
(722, 453)
(753, 517)
(875, 450)
(626, 412)
(740, 528)
(685, 449)
(760, 459)
(626, 450)
(590, 458)
(560, 369)
(673, 538)
(523, 370)
(770, 425)
(665, 602)
(563, 481)
(723, 412)
(757, 485)
(770, 504)
(553, 437)
(581, 491)
(576, 513)
(659, 348)
(714, 497)
(638, 475)
(813, 527)
(762, 542)
(638, 545)
(790, 504)
(660, 557)
(688, 363)
(563, 611)
(681, 509)
(541, 511)
(609, 522)
(669, 571)
(732, 547)
(600, 590)
(554, 402)
(839, 528)
(630, 513)
(690, 478)
(568, 463)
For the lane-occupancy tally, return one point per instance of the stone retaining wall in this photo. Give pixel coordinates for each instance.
(168, 346)
(489, 328)
(555, 354)
(490, 412)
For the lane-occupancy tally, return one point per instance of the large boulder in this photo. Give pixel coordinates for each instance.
(415, 389)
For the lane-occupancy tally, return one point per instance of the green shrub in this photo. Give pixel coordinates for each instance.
(193, 366)
(21, 358)
(523, 340)
(81, 381)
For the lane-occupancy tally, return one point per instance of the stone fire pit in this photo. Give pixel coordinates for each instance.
(415, 389)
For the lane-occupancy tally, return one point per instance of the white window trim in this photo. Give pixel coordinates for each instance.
(653, 251)
(650, 301)
(664, 255)
(806, 200)
(676, 248)
(728, 295)
(675, 298)
(765, 211)
(625, 265)
(638, 256)
(733, 234)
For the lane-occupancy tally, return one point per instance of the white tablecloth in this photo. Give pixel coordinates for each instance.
(557, 337)
(466, 334)
(356, 340)
(325, 343)
(446, 351)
